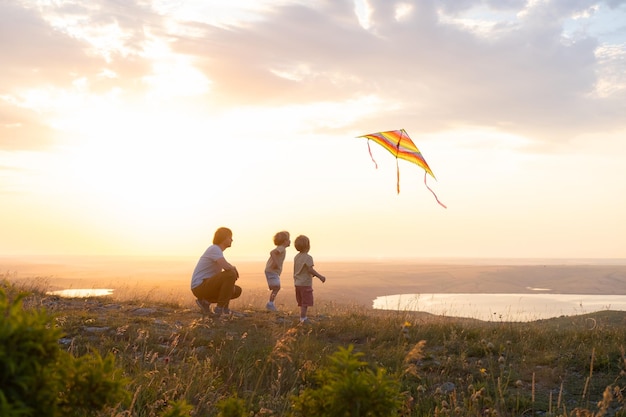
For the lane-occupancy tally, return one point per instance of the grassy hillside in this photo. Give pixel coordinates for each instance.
(568, 366)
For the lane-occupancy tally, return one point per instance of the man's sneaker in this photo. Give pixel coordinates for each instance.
(221, 311)
(225, 312)
(270, 306)
(204, 305)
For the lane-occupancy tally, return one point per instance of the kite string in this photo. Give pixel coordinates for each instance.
(370, 151)
(440, 203)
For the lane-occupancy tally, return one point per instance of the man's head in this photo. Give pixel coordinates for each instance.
(222, 235)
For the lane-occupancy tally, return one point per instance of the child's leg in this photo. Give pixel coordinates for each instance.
(302, 305)
(273, 283)
(274, 293)
(306, 300)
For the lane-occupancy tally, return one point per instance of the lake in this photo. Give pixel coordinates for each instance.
(502, 307)
(489, 289)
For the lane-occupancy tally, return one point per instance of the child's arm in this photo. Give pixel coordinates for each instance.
(274, 254)
(317, 274)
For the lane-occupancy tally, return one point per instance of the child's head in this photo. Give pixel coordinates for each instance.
(281, 238)
(302, 244)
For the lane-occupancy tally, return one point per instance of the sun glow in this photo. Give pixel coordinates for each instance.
(138, 128)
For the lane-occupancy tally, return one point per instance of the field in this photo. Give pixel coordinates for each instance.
(443, 366)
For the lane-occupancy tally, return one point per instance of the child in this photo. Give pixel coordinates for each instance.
(274, 266)
(303, 274)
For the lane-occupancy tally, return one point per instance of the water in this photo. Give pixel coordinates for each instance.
(82, 293)
(502, 307)
(486, 289)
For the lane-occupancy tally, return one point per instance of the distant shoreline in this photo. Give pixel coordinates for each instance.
(349, 281)
(403, 260)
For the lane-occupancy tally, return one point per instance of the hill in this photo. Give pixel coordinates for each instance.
(446, 366)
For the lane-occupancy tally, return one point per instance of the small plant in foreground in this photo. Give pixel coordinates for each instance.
(178, 409)
(232, 407)
(38, 379)
(347, 387)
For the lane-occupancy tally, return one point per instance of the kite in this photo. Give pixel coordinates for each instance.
(400, 145)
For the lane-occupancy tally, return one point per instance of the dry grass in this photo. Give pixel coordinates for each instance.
(570, 366)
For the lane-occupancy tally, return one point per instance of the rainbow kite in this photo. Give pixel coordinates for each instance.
(400, 145)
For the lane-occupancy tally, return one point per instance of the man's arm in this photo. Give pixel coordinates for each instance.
(223, 263)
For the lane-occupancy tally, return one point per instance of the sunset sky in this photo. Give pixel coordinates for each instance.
(139, 127)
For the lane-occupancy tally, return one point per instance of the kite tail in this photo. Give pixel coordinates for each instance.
(370, 151)
(440, 203)
(398, 176)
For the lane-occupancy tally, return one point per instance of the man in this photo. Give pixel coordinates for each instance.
(213, 279)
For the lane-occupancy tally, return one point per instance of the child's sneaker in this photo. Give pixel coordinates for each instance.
(305, 322)
(270, 306)
(204, 305)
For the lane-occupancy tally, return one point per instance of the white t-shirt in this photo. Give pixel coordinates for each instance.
(207, 265)
(273, 267)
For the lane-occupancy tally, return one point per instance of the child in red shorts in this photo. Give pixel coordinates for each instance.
(303, 273)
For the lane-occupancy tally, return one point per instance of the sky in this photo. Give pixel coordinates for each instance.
(139, 127)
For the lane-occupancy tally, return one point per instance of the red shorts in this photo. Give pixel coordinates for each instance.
(304, 296)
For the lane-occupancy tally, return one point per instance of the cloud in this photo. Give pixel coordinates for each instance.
(509, 65)
(50, 54)
(20, 129)
(525, 76)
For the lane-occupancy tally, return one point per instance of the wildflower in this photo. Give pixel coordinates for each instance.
(405, 329)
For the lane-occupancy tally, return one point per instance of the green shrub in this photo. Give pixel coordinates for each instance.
(348, 388)
(232, 407)
(178, 409)
(37, 378)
